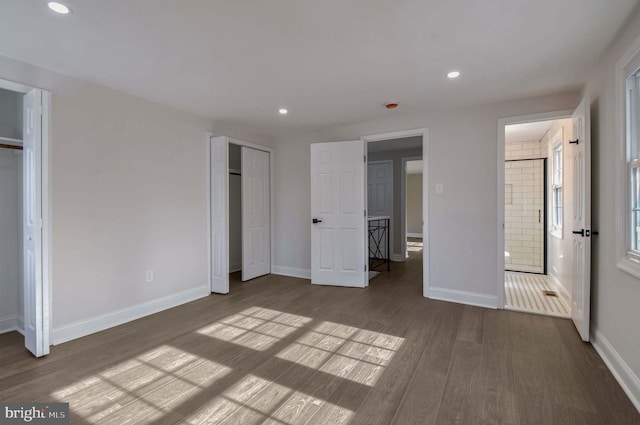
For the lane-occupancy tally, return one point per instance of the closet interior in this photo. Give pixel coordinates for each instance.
(11, 207)
(235, 208)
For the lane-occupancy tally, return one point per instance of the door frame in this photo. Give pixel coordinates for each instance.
(234, 141)
(424, 132)
(390, 162)
(403, 206)
(502, 123)
(45, 173)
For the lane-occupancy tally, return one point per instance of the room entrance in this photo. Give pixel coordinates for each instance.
(544, 197)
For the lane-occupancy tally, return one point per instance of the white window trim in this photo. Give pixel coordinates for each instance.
(555, 143)
(627, 260)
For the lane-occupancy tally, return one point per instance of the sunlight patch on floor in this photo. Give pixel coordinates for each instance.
(256, 328)
(141, 389)
(338, 350)
(414, 246)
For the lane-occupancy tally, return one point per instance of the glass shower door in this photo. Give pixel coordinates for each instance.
(525, 215)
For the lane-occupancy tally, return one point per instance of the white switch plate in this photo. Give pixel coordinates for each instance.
(150, 275)
(439, 188)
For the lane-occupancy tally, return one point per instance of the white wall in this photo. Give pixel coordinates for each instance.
(129, 193)
(615, 294)
(414, 203)
(10, 238)
(560, 245)
(463, 156)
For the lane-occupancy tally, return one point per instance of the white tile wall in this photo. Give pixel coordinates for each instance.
(524, 204)
(524, 150)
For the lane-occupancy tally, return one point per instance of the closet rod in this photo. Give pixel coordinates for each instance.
(2, 145)
(235, 173)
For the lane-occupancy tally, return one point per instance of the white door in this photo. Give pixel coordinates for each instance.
(338, 255)
(36, 327)
(581, 220)
(219, 215)
(380, 197)
(256, 216)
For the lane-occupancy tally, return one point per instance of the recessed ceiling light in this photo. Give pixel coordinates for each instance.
(283, 111)
(59, 8)
(453, 74)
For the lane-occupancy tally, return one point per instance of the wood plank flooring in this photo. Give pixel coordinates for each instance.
(278, 350)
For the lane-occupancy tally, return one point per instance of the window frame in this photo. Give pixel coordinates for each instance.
(628, 104)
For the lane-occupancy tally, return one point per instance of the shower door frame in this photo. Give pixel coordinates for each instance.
(544, 215)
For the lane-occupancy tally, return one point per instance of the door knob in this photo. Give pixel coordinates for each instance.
(316, 221)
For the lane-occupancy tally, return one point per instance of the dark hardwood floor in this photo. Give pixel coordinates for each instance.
(278, 350)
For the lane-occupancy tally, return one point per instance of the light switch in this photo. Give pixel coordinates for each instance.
(439, 188)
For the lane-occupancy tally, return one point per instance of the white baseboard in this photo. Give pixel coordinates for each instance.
(291, 272)
(628, 380)
(414, 235)
(236, 268)
(463, 297)
(118, 317)
(398, 258)
(559, 288)
(8, 323)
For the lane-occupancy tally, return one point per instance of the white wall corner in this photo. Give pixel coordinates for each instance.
(463, 297)
(105, 321)
(8, 323)
(291, 272)
(398, 258)
(627, 379)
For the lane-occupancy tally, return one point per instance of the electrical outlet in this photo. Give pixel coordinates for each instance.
(439, 188)
(150, 275)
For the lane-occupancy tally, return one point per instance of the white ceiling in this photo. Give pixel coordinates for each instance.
(329, 62)
(527, 132)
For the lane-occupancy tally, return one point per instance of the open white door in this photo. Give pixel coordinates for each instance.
(338, 216)
(256, 216)
(219, 215)
(36, 326)
(581, 221)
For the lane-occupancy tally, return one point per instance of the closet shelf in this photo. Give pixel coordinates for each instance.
(10, 140)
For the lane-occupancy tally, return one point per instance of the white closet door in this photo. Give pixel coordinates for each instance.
(256, 216)
(36, 329)
(219, 215)
(337, 214)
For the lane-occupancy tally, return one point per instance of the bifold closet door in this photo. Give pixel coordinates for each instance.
(256, 216)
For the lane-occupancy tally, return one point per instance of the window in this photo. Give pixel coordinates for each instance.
(556, 190)
(629, 241)
(633, 160)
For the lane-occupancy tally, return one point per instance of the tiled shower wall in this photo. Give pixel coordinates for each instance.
(524, 209)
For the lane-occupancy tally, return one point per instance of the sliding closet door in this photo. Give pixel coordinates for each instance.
(256, 217)
(219, 215)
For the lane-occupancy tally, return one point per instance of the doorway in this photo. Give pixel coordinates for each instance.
(543, 212)
(24, 215)
(240, 194)
(406, 151)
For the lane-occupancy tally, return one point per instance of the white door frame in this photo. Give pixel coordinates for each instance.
(424, 132)
(384, 161)
(403, 206)
(502, 123)
(45, 172)
(233, 141)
